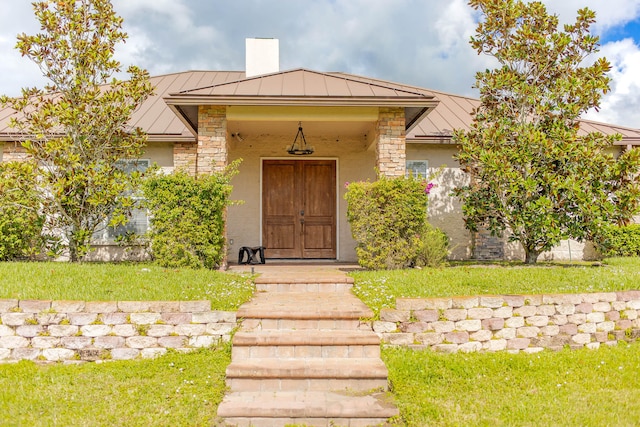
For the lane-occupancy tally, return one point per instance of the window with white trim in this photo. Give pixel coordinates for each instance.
(138, 223)
(417, 168)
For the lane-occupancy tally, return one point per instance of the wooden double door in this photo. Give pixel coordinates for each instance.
(299, 208)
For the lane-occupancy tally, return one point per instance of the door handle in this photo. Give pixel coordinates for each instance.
(302, 212)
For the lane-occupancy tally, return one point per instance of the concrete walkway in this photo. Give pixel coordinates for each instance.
(305, 353)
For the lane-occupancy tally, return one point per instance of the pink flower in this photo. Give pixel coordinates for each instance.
(346, 184)
(428, 187)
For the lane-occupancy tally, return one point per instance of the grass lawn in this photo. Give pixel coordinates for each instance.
(173, 390)
(122, 282)
(566, 388)
(379, 289)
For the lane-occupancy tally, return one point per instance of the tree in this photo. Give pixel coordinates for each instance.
(531, 172)
(76, 128)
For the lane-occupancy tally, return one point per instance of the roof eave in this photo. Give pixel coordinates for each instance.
(170, 138)
(448, 139)
(628, 141)
(183, 116)
(308, 101)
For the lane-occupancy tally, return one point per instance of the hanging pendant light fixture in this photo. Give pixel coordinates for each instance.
(299, 146)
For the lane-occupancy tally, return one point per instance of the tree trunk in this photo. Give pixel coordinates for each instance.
(73, 245)
(531, 256)
(73, 250)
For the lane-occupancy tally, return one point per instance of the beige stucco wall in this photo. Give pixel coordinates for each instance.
(445, 210)
(160, 153)
(354, 161)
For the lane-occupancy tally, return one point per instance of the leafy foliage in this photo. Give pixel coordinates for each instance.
(76, 128)
(619, 241)
(389, 222)
(188, 217)
(531, 173)
(21, 223)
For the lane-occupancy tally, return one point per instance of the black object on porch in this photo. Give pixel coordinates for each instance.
(254, 255)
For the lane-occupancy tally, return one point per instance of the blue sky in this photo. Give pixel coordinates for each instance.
(417, 42)
(631, 29)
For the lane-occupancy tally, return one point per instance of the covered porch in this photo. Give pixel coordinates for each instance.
(294, 204)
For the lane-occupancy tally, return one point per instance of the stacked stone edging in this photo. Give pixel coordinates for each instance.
(527, 323)
(108, 330)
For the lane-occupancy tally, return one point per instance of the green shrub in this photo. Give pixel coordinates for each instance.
(615, 241)
(389, 223)
(432, 247)
(21, 222)
(188, 217)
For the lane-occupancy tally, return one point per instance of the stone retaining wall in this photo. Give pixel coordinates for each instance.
(90, 331)
(514, 323)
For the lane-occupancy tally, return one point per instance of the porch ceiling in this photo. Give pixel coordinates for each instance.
(313, 130)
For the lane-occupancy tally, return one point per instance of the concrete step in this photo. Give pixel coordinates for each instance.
(320, 374)
(301, 344)
(258, 409)
(258, 324)
(304, 306)
(317, 284)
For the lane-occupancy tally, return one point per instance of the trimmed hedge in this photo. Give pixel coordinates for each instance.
(187, 217)
(615, 241)
(388, 220)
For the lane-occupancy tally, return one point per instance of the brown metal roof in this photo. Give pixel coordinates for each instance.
(454, 112)
(431, 115)
(302, 87)
(154, 115)
(307, 84)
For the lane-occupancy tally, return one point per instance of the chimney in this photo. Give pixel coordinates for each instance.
(262, 56)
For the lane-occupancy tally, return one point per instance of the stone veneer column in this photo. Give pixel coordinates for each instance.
(212, 139)
(185, 157)
(391, 153)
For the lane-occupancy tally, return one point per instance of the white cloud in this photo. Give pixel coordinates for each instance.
(622, 104)
(609, 13)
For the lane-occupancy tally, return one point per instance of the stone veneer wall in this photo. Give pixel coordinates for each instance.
(391, 154)
(514, 323)
(89, 331)
(185, 156)
(213, 149)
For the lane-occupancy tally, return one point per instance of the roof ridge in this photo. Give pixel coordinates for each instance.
(246, 79)
(353, 78)
(356, 76)
(343, 76)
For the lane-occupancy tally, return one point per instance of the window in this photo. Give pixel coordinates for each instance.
(139, 221)
(417, 168)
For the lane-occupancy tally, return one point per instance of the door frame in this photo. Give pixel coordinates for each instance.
(337, 160)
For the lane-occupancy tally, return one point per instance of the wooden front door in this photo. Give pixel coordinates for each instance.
(299, 208)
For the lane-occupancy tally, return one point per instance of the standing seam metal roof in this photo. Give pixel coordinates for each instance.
(162, 124)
